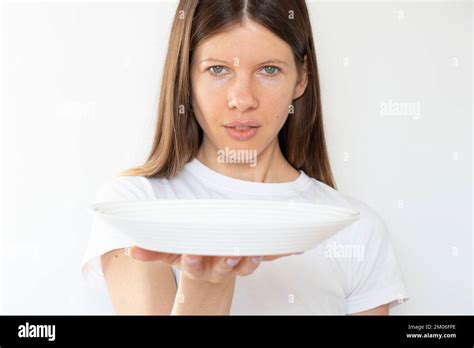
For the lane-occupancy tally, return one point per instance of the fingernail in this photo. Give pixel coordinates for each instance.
(232, 262)
(302, 252)
(257, 259)
(138, 253)
(192, 259)
(127, 251)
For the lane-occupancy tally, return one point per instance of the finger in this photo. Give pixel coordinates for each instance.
(149, 255)
(248, 265)
(222, 266)
(193, 265)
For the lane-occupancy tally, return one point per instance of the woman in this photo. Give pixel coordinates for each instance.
(242, 76)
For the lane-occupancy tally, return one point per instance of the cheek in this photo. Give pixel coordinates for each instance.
(209, 101)
(205, 87)
(274, 102)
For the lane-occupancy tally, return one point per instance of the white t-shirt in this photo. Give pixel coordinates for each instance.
(352, 271)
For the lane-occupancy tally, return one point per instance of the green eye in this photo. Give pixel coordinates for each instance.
(217, 69)
(271, 70)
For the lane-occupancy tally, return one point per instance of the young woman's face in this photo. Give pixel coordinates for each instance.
(246, 74)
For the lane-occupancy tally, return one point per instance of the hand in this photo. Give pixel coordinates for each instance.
(214, 269)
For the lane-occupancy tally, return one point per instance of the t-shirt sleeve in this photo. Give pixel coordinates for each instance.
(375, 278)
(104, 237)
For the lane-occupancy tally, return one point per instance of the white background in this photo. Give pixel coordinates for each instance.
(80, 85)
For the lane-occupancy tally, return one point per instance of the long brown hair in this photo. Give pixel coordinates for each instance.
(178, 135)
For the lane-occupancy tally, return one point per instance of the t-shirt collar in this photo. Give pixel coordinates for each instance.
(223, 182)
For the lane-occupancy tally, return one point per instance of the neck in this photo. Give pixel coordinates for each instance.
(269, 166)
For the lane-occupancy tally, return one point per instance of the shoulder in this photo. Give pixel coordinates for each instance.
(369, 216)
(122, 188)
(370, 222)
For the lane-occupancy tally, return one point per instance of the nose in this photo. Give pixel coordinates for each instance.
(241, 96)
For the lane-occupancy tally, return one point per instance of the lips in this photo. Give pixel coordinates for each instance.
(245, 124)
(242, 130)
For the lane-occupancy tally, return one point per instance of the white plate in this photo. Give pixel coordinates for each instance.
(224, 226)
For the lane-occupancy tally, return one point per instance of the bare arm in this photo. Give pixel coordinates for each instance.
(380, 310)
(144, 283)
(196, 297)
(207, 285)
(137, 287)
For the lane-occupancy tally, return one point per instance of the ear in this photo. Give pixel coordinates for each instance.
(302, 80)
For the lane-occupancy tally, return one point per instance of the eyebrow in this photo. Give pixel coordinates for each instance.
(265, 62)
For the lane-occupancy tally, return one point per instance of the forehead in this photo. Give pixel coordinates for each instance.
(248, 41)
